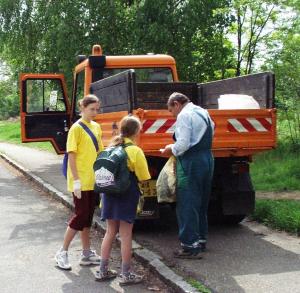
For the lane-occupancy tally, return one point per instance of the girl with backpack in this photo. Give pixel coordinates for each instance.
(119, 211)
(83, 144)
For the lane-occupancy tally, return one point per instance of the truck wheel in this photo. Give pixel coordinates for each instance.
(220, 219)
(233, 219)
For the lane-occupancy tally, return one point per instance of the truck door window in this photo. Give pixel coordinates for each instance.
(44, 95)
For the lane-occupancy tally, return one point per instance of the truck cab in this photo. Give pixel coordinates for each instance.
(46, 110)
(140, 85)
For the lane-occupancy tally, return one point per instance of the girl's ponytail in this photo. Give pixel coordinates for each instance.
(117, 140)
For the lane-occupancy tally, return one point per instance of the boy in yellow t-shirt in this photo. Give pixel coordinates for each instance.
(80, 176)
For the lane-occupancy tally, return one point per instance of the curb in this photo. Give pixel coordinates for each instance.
(143, 255)
(155, 263)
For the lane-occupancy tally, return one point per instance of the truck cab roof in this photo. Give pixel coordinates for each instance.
(155, 60)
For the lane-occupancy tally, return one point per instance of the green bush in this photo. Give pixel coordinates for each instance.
(9, 99)
(9, 106)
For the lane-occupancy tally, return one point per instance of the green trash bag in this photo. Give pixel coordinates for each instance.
(166, 182)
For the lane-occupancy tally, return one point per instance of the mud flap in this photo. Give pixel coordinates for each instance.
(237, 194)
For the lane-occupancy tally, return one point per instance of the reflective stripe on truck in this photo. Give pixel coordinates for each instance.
(233, 125)
(249, 125)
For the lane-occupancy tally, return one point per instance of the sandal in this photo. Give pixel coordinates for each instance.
(106, 275)
(129, 279)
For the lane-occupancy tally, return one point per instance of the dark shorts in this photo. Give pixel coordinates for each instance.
(84, 210)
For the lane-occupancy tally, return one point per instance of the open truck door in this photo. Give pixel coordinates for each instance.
(44, 109)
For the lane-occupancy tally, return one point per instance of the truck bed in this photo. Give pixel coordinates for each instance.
(237, 132)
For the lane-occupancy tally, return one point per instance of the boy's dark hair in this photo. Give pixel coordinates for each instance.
(87, 100)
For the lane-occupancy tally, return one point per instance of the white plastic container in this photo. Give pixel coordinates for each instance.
(236, 101)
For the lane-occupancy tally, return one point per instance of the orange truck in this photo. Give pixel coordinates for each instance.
(141, 84)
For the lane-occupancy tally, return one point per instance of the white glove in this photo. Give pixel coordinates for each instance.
(77, 188)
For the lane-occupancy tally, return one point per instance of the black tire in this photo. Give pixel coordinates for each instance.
(233, 219)
(220, 219)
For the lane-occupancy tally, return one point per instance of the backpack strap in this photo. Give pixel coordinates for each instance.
(91, 134)
(125, 145)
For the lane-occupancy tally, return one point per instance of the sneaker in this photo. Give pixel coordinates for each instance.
(62, 261)
(129, 279)
(104, 276)
(92, 259)
(187, 254)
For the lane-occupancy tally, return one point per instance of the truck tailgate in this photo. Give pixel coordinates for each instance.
(237, 132)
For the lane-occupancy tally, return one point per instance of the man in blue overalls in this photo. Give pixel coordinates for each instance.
(194, 170)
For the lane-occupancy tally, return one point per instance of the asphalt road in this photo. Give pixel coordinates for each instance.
(247, 258)
(31, 230)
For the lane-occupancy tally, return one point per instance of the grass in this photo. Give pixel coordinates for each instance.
(277, 170)
(10, 131)
(279, 214)
(199, 286)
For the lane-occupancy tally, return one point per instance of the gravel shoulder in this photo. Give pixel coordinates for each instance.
(295, 195)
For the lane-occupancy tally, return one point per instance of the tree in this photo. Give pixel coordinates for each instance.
(253, 25)
(191, 31)
(9, 99)
(46, 36)
(285, 63)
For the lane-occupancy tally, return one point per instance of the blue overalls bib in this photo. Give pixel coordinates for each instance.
(194, 175)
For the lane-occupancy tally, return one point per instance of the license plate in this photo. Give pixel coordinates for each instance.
(148, 188)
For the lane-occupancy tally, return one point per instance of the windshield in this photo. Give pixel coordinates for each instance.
(144, 74)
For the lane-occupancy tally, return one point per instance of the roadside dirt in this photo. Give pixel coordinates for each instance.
(295, 195)
(151, 282)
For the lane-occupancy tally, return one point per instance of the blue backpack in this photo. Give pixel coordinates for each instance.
(64, 167)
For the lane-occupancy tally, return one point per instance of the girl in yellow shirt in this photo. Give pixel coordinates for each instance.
(80, 176)
(120, 211)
